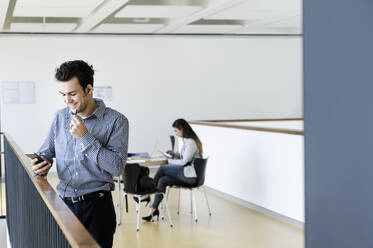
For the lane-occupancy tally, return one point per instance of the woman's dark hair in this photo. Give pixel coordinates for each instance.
(75, 68)
(188, 132)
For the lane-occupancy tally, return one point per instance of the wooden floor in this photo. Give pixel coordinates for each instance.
(230, 225)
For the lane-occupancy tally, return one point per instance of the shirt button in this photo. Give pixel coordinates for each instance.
(76, 173)
(75, 190)
(76, 156)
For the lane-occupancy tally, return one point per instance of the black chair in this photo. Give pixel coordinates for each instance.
(200, 167)
(119, 181)
(130, 177)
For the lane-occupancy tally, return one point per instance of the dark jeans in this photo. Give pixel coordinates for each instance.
(98, 216)
(169, 175)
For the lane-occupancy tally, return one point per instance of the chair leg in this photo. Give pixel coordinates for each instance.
(125, 199)
(168, 193)
(178, 203)
(194, 206)
(119, 202)
(162, 210)
(168, 211)
(207, 201)
(120, 210)
(191, 202)
(126, 203)
(138, 201)
(138, 207)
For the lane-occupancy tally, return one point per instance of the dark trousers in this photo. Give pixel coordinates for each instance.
(98, 216)
(169, 175)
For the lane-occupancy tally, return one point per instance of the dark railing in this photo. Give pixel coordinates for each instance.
(36, 216)
(2, 197)
(2, 211)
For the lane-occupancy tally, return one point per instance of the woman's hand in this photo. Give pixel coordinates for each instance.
(170, 152)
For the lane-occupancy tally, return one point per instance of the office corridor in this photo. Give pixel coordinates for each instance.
(230, 225)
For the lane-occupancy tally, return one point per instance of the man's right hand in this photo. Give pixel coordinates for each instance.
(41, 168)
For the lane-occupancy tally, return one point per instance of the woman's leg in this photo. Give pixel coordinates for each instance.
(159, 174)
(169, 175)
(163, 182)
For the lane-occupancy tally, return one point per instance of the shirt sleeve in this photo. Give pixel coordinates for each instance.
(112, 156)
(190, 148)
(47, 149)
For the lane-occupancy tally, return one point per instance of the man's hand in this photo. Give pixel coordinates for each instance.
(77, 127)
(41, 168)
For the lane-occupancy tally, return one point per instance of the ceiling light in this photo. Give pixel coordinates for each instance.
(140, 19)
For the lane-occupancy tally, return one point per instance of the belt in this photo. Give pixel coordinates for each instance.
(97, 194)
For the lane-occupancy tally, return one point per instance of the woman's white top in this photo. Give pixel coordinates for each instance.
(188, 152)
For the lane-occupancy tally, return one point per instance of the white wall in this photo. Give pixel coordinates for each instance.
(263, 168)
(157, 79)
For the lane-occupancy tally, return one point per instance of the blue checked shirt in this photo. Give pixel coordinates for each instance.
(87, 164)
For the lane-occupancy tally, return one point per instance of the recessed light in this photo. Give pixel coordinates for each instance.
(140, 19)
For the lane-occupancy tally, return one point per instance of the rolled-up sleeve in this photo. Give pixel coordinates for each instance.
(112, 156)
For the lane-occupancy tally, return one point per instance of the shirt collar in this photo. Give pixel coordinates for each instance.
(99, 111)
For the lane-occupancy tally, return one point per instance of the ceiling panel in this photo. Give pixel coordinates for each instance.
(51, 12)
(267, 30)
(55, 8)
(40, 27)
(292, 22)
(3, 9)
(249, 15)
(259, 10)
(264, 5)
(59, 3)
(153, 16)
(154, 11)
(127, 28)
(208, 29)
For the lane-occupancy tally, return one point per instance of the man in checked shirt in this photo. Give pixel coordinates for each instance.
(89, 142)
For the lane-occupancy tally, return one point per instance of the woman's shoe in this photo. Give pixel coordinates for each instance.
(146, 199)
(150, 217)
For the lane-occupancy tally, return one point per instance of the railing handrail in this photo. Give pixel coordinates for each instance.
(75, 233)
(249, 120)
(252, 128)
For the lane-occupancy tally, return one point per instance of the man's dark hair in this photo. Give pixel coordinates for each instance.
(75, 68)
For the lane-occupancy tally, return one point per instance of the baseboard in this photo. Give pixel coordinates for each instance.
(257, 208)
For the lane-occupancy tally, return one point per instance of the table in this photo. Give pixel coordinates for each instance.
(153, 161)
(148, 161)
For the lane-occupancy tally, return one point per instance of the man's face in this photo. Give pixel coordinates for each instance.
(73, 94)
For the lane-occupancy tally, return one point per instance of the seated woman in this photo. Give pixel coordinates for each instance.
(179, 170)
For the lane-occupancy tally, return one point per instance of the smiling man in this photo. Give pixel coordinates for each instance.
(89, 142)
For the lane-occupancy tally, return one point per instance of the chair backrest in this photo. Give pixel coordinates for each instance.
(130, 177)
(200, 167)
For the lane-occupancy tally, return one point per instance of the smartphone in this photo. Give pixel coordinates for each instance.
(167, 155)
(40, 159)
(35, 155)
